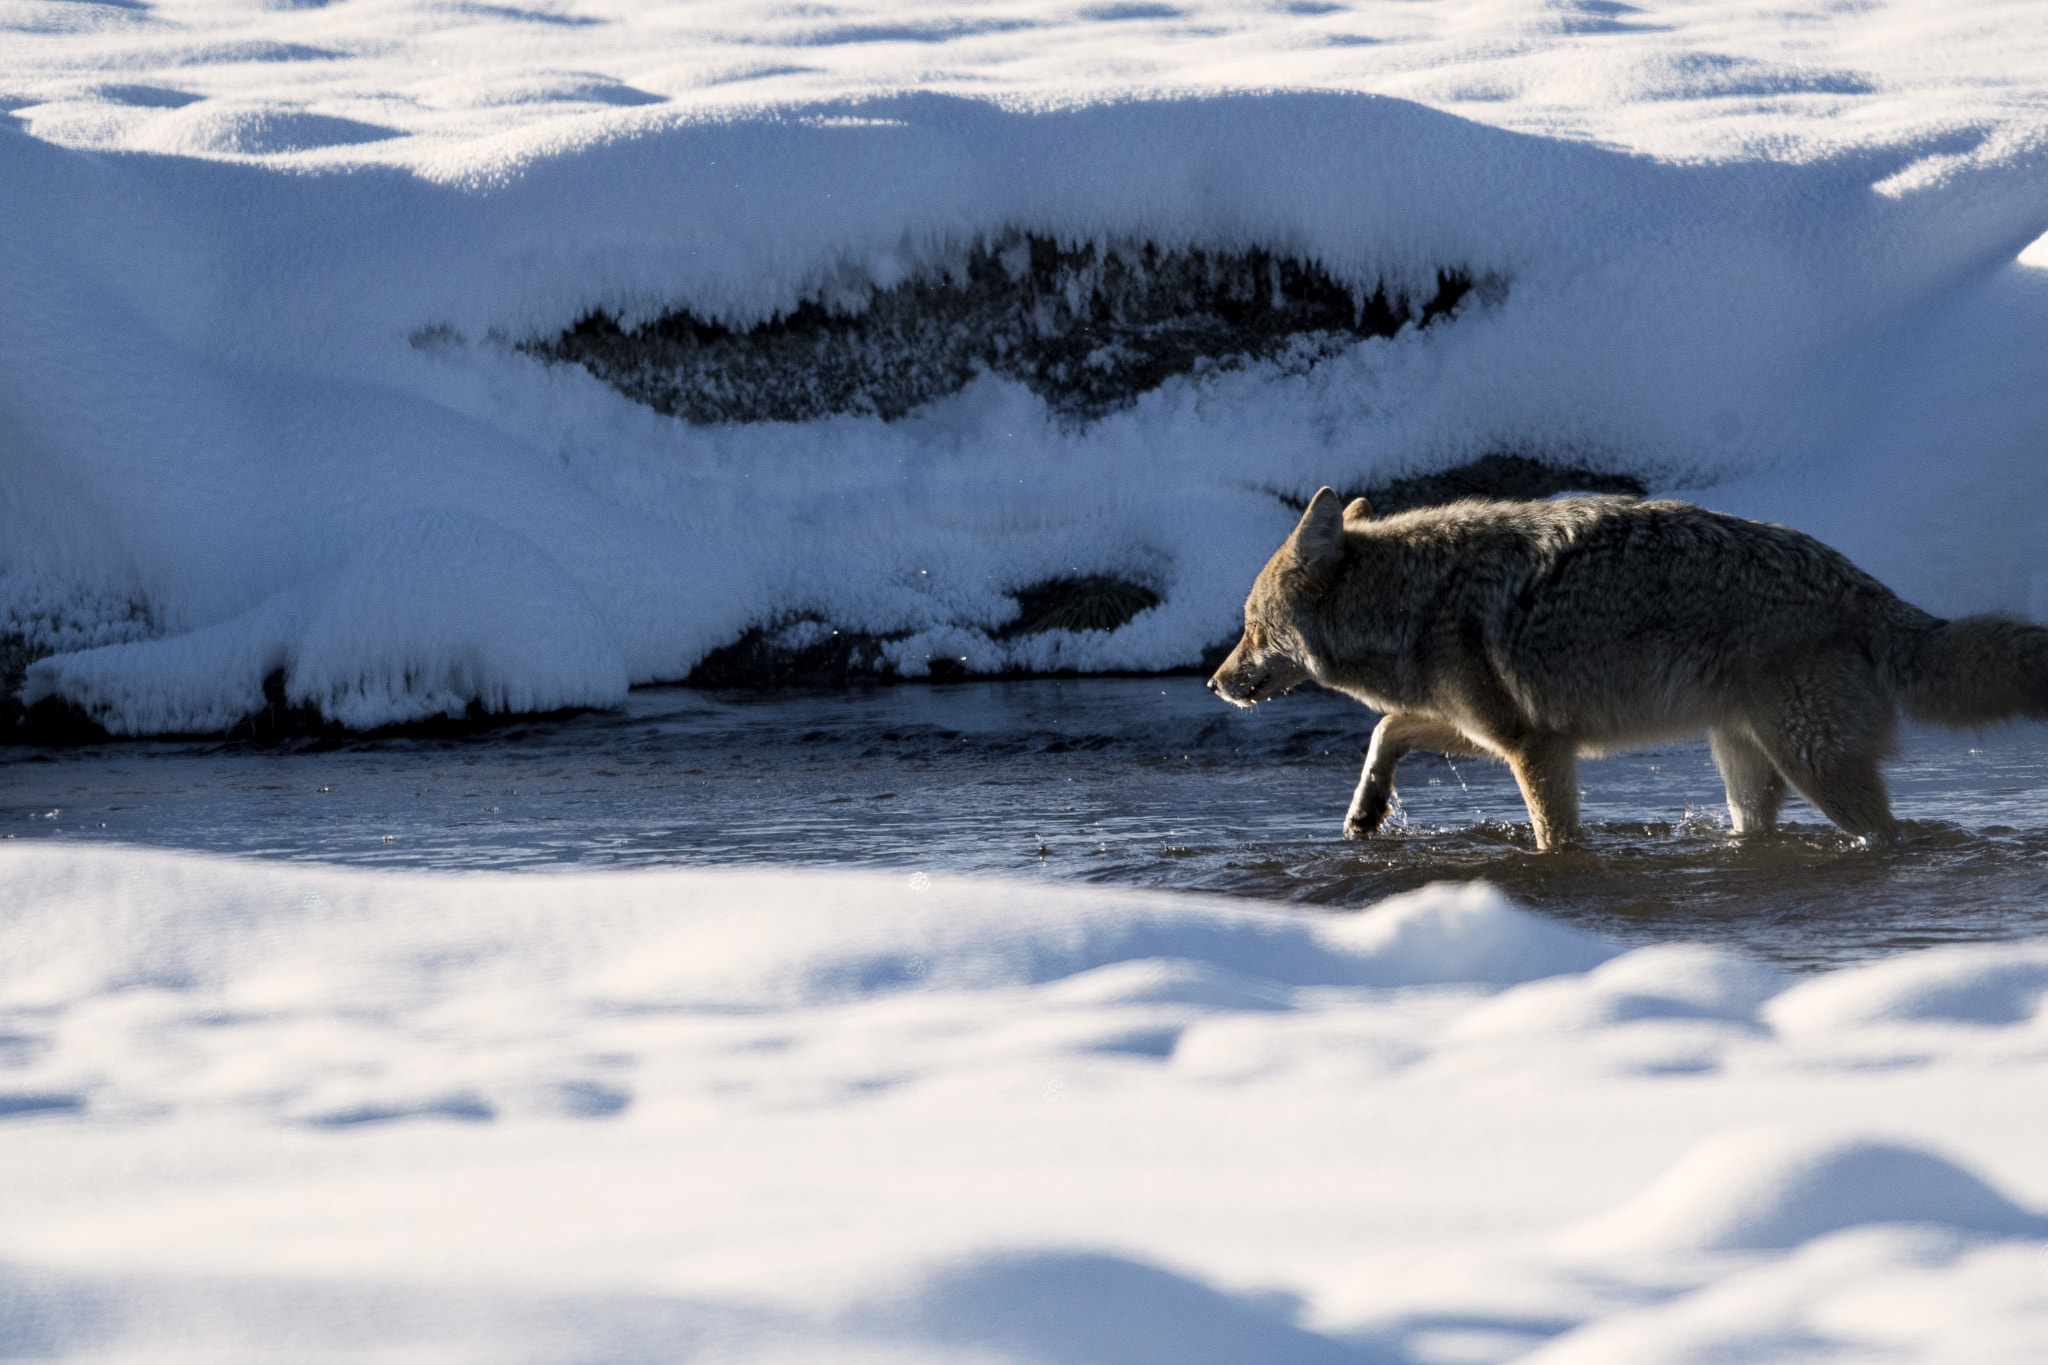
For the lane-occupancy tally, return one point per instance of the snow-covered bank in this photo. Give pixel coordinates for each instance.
(266, 274)
(284, 1113)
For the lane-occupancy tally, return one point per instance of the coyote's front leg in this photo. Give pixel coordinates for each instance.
(1546, 768)
(1396, 734)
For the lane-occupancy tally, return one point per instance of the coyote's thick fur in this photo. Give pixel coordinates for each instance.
(1538, 631)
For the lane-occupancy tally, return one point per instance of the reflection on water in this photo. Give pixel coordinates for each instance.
(1148, 782)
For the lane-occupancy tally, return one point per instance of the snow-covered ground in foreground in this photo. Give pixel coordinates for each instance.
(283, 1113)
(262, 270)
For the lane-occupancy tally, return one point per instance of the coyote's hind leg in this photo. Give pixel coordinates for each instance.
(1847, 787)
(1831, 728)
(1397, 733)
(1755, 786)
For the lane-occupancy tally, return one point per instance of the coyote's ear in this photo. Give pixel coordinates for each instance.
(1358, 509)
(1319, 538)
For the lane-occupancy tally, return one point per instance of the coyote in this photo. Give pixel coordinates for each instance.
(1538, 631)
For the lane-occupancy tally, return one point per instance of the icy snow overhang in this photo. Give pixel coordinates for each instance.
(1088, 328)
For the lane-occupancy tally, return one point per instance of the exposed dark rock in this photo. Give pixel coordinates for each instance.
(782, 657)
(1086, 329)
(1091, 602)
(279, 720)
(15, 657)
(47, 722)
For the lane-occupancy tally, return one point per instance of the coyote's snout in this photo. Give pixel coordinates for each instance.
(1537, 632)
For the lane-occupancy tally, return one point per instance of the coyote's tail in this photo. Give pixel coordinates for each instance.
(1973, 671)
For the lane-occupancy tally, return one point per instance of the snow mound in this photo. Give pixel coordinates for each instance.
(440, 612)
(446, 609)
(215, 127)
(1078, 1308)
(1463, 932)
(1987, 985)
(715, 938)
(1764, 1190)
(1663, 981)
(1893, 1292)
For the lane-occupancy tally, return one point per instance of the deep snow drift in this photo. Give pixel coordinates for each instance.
(267, 1112)
(267, 274)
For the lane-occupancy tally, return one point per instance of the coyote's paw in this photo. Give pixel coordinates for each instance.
(1365, 818)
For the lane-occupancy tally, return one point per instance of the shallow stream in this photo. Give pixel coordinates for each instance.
(1140, 781)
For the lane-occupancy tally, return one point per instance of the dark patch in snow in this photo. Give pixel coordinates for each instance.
(16, 654)
(762, 658)
(252, 50)
(1092, 602)
(1139, 1042)
(532, 16)
(934, 32)
(1604, 16)
(1113, 13)
(592, 1099)
(465, 1108)
(14, 1106)
(147, 96)
(1088, 329)
(48, 722)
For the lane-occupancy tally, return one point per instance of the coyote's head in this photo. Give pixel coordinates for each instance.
(1272, 656)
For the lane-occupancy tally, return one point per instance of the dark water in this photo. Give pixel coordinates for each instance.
(1143, 782)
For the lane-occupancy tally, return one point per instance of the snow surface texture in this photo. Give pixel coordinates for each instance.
(265, 270)
(269, 1112)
